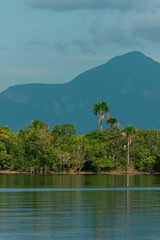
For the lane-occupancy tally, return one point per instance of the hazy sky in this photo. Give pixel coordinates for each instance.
(52, 41)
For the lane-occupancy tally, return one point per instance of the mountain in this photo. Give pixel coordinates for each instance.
(130, 84)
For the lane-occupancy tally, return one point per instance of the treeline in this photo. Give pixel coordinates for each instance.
(38, 149)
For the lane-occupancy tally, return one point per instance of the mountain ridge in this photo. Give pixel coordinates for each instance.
(129, 83)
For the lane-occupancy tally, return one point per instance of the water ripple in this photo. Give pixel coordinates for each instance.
(78, 189)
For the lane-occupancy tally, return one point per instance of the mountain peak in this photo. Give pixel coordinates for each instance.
(131, 55)
(134, 53)
(130, 58)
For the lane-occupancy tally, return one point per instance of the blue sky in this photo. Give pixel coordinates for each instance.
(52, 41)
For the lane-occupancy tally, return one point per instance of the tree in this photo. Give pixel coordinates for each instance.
(38, 124)
(67, 129)
(113, 122)
(129, 132)
(3, 156)
(39, 152)
(100, 108)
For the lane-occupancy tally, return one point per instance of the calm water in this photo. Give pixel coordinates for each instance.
(79, 207)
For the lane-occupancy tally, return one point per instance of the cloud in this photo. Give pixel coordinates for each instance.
(117, 33)
(3, 49)
(70, 5)
(82, 45)
(120, 36)
(59, 46)
(37, 43)
(100, 37)
(17, 71)
(147, 27)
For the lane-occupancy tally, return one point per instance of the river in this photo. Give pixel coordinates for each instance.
(79, 207)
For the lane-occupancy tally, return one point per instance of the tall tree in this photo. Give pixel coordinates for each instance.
(113, 122)
(38, 124)
(129, 132)
(100, 108)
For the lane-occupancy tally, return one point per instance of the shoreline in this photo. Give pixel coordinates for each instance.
(84, 173)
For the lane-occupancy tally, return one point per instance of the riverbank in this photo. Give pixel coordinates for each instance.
(86, 173)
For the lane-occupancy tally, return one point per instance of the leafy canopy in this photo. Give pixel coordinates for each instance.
(100, 108)
(112, 121)
(129, 130)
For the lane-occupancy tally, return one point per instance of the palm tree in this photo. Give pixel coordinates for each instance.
(100, 108)
(129, 132)
(113, 122)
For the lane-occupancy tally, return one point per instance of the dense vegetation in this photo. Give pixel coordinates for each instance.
(38, 149)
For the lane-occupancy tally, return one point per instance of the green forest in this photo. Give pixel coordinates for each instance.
(37, 149)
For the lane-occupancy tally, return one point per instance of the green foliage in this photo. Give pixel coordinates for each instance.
(99, 149)
(13, 149)
(69, 147)
(3, 156)
(64, 130)
(112, 121)
(38, 124)
(37, 149)
(39, 152)
(146, 150)
(129, 130)
(100, 108)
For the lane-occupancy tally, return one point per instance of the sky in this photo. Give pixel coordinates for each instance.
(53, 41)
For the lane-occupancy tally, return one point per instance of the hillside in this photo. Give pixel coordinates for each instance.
(129, 83)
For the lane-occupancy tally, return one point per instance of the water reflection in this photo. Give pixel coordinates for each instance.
(77, 181)
(93, 207)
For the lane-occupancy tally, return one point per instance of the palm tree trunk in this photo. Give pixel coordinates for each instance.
(100, 115)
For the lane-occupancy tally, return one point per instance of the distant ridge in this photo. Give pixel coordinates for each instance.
(130, 83)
